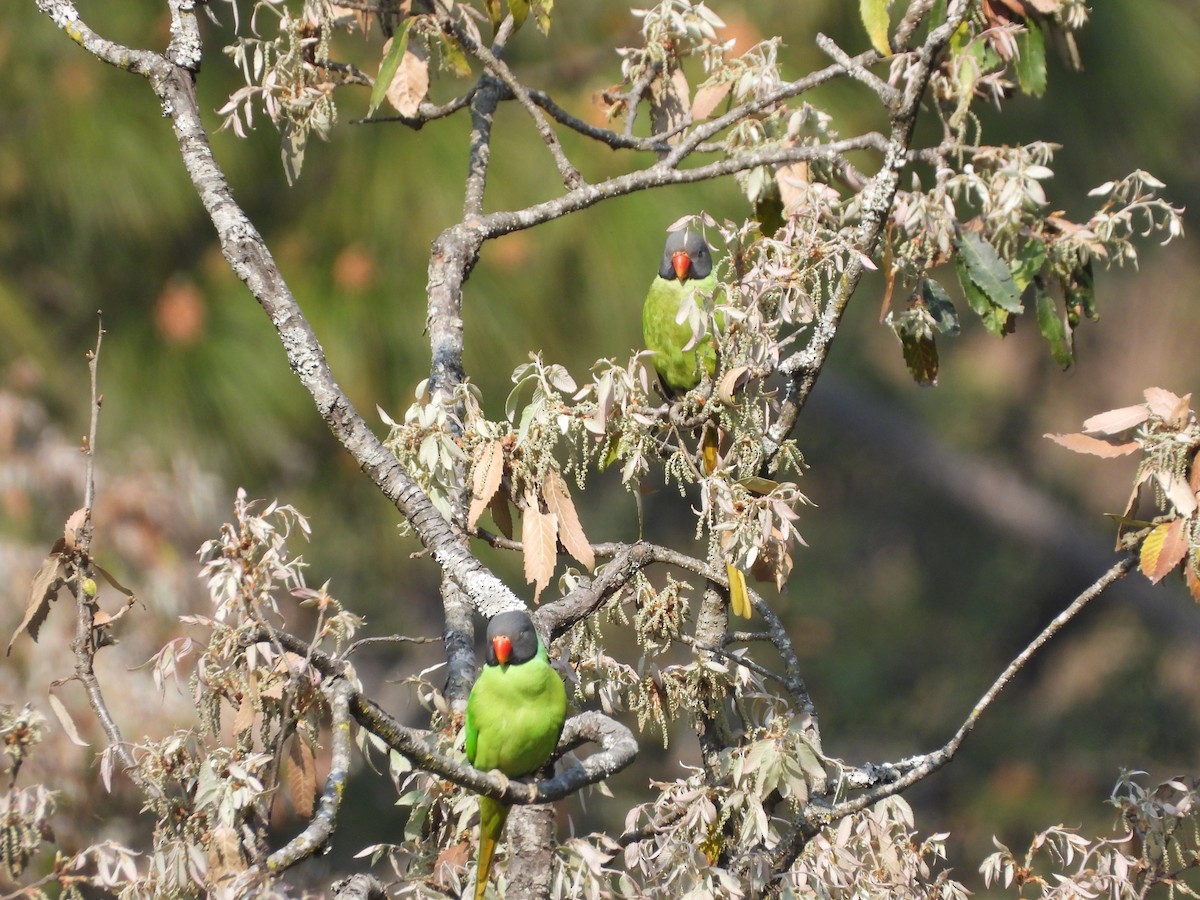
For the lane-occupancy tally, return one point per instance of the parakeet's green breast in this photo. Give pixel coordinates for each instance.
(514, 716)
(517, 707)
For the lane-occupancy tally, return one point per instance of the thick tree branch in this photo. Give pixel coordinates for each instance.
(249, 257)
(803, 367)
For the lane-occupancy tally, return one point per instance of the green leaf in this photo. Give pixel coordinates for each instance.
(1028, 263)
(541, 11)
(1080, 287)
(1031, 60)
(921, 357)
(1053, 326)
(874, 14)
(993, 317)
(452, 53)
(494, 13)
(519, 10)
(388, 68)
(987, 271)
(937, 301)
(914, 328)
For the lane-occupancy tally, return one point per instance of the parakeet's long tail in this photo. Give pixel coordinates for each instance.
(492, 816)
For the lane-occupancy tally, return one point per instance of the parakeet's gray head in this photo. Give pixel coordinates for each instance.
(685, 256)
(511, 639)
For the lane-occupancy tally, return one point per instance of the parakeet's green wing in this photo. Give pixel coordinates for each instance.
(679, 370)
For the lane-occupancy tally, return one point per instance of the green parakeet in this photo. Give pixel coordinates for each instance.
(685, 275)
(515, 715)
(686, 271)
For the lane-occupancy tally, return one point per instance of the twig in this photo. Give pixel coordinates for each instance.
(316, 835)
(499, 69)
(426, 112)
(83, 646)
(803, 367)
(902, 775)
(856, 70)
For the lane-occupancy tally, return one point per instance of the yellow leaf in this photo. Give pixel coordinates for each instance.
(570, 531)
(1163, 549)
(739, 597)
(874, 14)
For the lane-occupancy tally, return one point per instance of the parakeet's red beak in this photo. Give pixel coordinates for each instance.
(681, 263)
(503, 648)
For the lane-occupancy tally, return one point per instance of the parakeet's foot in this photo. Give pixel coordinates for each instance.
(504, 779)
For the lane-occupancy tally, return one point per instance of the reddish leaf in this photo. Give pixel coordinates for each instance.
(570, 531)
(1083, 443)
(450, 864)
(1117, 420)
(243, 719)
(1163, 549)
(301, 777)
(538, 535)
(669, 105)
(708, 98)
(1193, 580)
(486, 473)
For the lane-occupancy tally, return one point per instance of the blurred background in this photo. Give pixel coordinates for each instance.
(947, 531)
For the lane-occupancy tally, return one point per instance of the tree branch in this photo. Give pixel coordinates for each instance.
(887, 779)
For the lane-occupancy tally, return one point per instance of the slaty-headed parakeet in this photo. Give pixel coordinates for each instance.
(685, 274)
(515, 715)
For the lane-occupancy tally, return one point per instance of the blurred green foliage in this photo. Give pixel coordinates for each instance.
(905, 606)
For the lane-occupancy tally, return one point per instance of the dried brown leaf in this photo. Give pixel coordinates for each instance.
(411, 81)
(74, 523)
(1163, 549)
(1083, 443)
(243, 719)
(709, 98)
(1182, 497)
(570, 531)
(302, 777)
(486, 473)
(730, 382)
(67, 722)
(669, 105)
(502, 513)
(46, 584)
(538, 535)
(1117, 420)
(1164, 404)
(450, 864)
